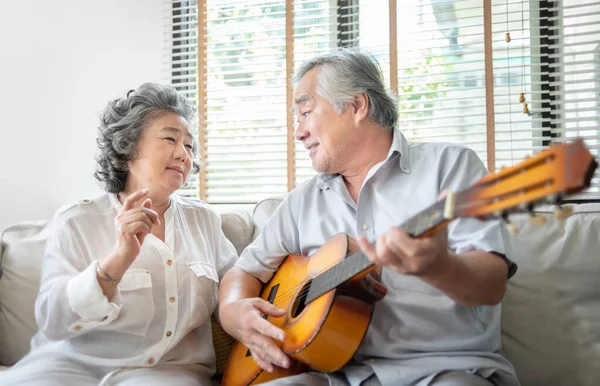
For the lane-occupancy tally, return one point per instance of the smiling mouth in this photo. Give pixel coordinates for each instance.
(312, 149)
(176, 170)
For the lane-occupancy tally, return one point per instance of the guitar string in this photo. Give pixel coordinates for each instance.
(291, 292)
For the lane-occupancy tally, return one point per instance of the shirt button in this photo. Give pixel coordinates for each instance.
(77, 328)
(169, 262)
(150, 361)
(169, 333)
(172, 299)
(365, 227)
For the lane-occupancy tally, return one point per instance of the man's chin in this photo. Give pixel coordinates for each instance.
(320, 168)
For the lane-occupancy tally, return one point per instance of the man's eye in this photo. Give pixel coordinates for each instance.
(304, 114)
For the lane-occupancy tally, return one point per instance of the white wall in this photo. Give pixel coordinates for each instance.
(61, 61)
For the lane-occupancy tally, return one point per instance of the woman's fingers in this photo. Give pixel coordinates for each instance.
(138, 216)
(133, 198)
(151, 214)
(137, 229)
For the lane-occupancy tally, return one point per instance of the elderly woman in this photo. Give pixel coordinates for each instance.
(129, 279)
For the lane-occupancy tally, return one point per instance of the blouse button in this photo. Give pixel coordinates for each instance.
(172, 299)
(365, 227)
(150, 361)
(169, 262)
(169, 333)
(77, 328)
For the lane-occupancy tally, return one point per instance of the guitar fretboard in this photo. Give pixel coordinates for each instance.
(357, 262)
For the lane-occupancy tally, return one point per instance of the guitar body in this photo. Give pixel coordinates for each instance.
(322, 335)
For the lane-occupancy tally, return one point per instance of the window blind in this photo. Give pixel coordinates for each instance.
(441, 72)
(246, 48)
(182, 44)
(553, 59)
(573, 75)
(321, 26)
(436, 58)
(517, 67)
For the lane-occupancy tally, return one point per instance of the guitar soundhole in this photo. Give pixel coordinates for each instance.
(300, 302)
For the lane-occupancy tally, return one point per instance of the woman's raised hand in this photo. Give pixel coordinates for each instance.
(133, 224)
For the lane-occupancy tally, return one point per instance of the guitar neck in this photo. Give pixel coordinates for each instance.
(420, 225)
(558, 171)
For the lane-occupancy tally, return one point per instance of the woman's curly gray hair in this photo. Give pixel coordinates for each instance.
(121, 126)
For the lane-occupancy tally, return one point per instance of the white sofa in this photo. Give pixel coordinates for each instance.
(551, 311)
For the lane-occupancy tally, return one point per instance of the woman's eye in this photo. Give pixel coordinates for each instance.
(190, 147)
(170, 139)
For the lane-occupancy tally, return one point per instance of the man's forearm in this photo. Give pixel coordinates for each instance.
(473, 278)
(238, 284)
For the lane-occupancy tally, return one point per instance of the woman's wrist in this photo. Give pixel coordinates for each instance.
(113, 268)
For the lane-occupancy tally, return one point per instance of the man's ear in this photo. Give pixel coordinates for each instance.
(361, 106)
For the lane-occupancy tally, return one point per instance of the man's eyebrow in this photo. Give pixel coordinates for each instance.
(301, 99)
(177, 130)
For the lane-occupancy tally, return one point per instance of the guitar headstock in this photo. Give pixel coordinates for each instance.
(547, 177)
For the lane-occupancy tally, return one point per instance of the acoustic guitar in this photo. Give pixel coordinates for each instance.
(330, 297)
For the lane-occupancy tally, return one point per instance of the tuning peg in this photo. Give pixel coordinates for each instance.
(561, 213)
(537, 219)
(552, 199)
(512, 228)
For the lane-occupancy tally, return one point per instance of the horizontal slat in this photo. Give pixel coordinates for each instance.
(248, 190)
(242, 167)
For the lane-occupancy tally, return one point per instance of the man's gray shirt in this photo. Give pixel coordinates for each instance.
(416, 331)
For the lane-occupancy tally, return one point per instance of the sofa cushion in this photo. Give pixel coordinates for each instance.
(551, 311)
(262, 211)
(22, 251)
(238, 228)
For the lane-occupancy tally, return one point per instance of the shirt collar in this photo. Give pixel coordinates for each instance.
(399, 147)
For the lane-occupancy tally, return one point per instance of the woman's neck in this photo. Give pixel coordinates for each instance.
(160, 203)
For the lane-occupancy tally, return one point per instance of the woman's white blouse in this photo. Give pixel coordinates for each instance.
(161, 310)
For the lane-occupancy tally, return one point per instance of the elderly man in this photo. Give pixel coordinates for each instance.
(439, 323)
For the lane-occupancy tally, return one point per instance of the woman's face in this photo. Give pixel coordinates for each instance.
(164, 156)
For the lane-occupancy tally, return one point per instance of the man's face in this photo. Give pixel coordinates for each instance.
(327, 135)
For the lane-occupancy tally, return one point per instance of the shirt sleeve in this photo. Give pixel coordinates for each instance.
(469, 234)
(277, 240)
(70, 301)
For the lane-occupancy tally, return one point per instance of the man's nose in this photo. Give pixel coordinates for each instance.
(301, 133)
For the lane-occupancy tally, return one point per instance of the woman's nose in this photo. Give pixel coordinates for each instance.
(181, 152)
